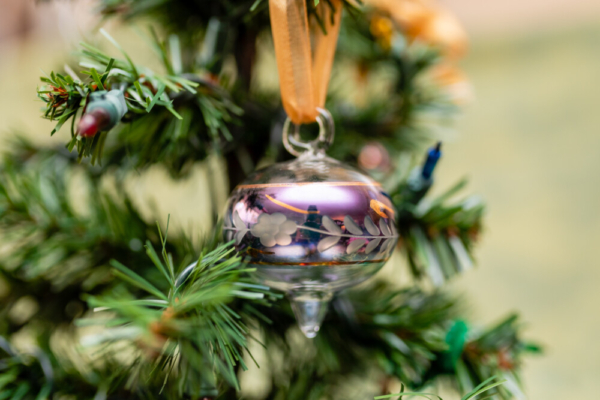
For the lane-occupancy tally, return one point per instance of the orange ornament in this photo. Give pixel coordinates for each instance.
(426, 21)
(443, 30)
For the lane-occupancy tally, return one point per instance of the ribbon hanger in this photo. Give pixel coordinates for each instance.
(304, 68)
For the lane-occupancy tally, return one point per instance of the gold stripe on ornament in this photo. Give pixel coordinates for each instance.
(292, 208)
(326, 184)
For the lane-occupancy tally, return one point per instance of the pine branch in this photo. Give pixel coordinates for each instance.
(485, 386)
(413, 112)
(401, 329)
(438, 236)
(399, 334)
(20, 373)
(195, 116)
(497, 351)
(176, 143)
(178, 111)
(56, 247)
(55, 254)
(37, 374)
(189, 329)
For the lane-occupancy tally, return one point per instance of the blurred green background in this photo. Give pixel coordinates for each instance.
(529, 143)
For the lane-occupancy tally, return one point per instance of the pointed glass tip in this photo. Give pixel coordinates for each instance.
(310, 331)
(310, 309)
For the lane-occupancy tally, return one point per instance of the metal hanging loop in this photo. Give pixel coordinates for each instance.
(294, 144)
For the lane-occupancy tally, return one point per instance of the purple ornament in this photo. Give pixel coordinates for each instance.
(311, 227)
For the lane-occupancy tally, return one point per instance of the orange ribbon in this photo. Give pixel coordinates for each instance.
(304, 70)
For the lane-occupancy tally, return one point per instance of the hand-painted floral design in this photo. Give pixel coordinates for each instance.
(274, 229)
(241, 227)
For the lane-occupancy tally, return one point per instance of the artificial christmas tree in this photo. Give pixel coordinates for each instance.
(111, 321)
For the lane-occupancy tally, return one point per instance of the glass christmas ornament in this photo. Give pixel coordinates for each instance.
(311, 226)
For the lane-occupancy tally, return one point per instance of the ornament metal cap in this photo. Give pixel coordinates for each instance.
(293, 143)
